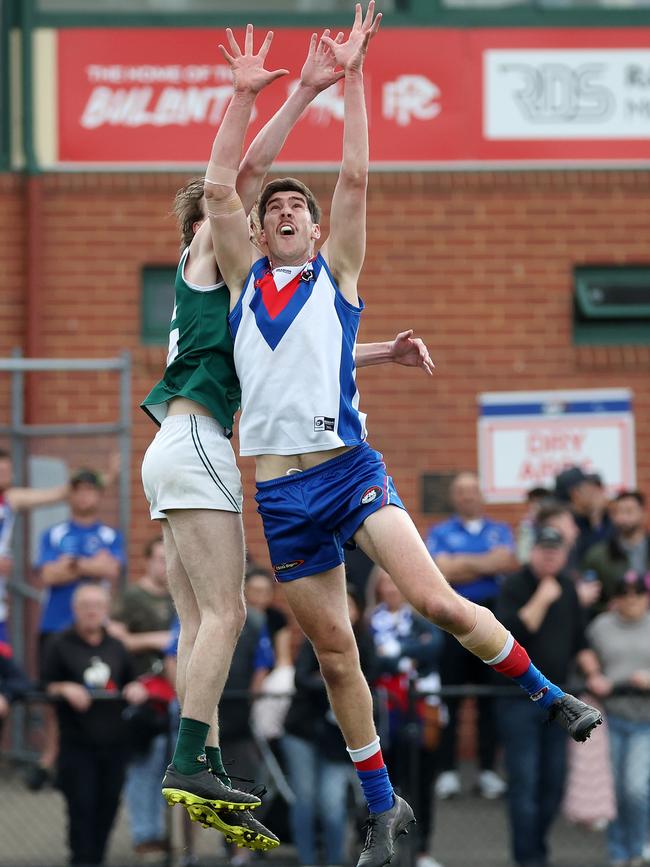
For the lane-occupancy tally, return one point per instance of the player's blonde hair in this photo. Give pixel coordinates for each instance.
(188, 209)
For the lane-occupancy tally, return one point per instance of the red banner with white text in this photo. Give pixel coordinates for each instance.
(155, 97)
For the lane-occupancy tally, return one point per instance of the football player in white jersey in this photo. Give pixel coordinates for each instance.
(193, 486)
(319, 483)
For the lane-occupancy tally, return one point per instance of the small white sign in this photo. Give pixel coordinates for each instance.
(526, 438)
(566, 94)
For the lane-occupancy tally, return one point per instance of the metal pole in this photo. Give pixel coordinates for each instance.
(125, 450)
(17, 619)
(84, 364)
(18, 470)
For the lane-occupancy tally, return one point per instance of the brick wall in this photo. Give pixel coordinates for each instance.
(481, 264)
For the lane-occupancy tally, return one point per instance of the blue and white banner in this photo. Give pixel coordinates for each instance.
(525, 438)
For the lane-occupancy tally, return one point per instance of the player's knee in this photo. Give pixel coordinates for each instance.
(446, 610)
(227, 619)
(338, 664)
(190, 619)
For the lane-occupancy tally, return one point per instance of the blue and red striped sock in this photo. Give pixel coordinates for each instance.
(373, 775)
(514, 662)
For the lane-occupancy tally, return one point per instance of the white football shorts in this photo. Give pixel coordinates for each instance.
(190, 464)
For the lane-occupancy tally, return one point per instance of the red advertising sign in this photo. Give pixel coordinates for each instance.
(152, 97)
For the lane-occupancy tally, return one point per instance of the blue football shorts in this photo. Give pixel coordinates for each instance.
(309, 516)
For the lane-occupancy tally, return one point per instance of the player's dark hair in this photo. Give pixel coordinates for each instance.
(630, 495)
(188, 209)
(288, 185)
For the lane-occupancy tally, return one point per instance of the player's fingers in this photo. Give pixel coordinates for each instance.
(358, 16)
(233, 43)
(277, 73)
(327, 41)
(229, 58)
(375, 25)
(321, 45)
(248, 40)
(264, 50)
(367, 21)
(340, 36)
(404, 334)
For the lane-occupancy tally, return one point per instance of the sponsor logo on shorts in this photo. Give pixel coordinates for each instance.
(323, 422)
(537, 695)
(290, 564)
(371, 495)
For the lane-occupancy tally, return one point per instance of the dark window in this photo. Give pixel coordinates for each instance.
(611, 305)
(157, 303)
(435, 492)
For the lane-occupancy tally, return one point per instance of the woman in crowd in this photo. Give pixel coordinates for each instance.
(620, 675)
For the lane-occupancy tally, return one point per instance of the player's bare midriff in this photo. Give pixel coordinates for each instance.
(186, 406)
(273, 466)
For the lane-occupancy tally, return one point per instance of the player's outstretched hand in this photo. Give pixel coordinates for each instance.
(411, 352)
(319, 71)
(350, 54)
(248, 73)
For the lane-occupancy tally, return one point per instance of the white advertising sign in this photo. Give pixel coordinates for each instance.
(526, 438)
(566, 94)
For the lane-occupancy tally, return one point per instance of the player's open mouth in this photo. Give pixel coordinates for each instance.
(287, 229)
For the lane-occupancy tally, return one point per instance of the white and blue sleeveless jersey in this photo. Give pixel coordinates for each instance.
(295, 337)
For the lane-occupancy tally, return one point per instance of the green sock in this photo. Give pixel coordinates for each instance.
(216, 763)
(189, 755)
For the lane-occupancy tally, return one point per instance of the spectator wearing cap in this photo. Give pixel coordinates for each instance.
(620, 675)
(559, 515)
(627, 549)
(473, 552)
(540, 607)
(588, 500)
(80, 550)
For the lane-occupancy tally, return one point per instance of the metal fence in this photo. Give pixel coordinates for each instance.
(41, 456)
(468, 830)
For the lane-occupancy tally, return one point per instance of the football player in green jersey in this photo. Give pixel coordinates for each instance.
(193, 485)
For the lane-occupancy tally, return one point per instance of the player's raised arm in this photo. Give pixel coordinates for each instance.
(318, 73)
(403, 349)
(228, 223)
(345, 247)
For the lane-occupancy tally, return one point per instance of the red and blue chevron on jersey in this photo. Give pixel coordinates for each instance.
(295, 337)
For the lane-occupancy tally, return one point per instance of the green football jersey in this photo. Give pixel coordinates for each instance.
(200, 363)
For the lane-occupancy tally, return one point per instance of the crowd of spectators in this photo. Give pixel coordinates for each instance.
(570, 582)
